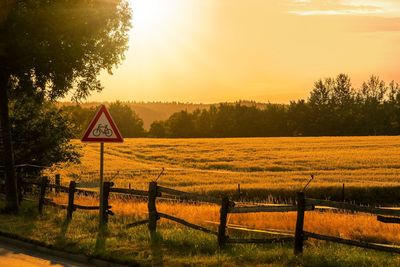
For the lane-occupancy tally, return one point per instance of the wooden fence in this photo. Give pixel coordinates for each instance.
(155, 193)
(301, 235)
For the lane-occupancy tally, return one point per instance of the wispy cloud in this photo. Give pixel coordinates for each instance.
(338, 7)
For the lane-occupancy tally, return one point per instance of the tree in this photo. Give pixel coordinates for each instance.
(127, 120)
(41, 133)
(49, 48)
(342, 104)
(157, 129)
(321, 109)
(394, 107)
(372, 97)
(298, 118)
(79, 118)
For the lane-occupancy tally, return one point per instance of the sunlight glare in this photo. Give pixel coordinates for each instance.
(150, 17)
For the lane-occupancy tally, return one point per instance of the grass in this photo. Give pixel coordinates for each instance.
(174, 245)
(356, 226)
(268, 169)
(264, 167)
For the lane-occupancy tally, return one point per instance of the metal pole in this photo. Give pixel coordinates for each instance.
(101, 181)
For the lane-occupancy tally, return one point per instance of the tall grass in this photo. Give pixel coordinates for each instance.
(357, 226)
(176, 245)
(279, 167)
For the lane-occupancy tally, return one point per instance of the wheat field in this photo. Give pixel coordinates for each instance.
(256, 163)
(205, 165)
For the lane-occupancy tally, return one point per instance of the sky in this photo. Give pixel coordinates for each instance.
(208, 51)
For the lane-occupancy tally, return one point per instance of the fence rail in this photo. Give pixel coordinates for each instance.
(188, 224)
(252, 209)
(259, 240)
(189, 196)
(352, 207)
(355, 243)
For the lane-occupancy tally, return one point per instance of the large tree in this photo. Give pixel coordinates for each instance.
(49, 48)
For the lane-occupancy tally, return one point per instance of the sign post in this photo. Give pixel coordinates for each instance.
(102, 129)
(101, 215)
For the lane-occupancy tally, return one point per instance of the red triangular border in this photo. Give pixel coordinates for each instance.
(92, 124)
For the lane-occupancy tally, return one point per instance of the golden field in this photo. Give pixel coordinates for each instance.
(356, 226)
(204, 165)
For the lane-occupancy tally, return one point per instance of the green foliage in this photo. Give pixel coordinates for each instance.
(79, 118)
(41, 133)
(51, 47)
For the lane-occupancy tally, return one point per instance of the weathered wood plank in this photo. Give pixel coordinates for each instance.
(71, 197)
(129, 191)
(361, 244)
(299, 231)
(59, 188)
(53, 204)
(188, 224)
(260, 240)
(189, 196)
(388, 219)
(251, 209)
(347, 206)
(223, 214)
(81, 207)
(152, 208)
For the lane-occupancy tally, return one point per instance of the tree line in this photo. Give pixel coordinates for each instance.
(128, 122)
(333, 108)
(41, 131)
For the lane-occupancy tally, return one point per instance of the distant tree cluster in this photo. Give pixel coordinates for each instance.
(128, 122)
(333, 108)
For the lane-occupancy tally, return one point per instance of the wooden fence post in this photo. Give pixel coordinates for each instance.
(343, 196)
(299, 234)
(153, 216)
(71, 196)
(222, 224)
(106, 193)
(43, 186)
(57, 181)
(20, 184)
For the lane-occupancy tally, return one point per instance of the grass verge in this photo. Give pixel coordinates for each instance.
(173, 245)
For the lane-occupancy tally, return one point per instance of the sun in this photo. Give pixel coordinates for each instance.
(161, 39)
(154, 17)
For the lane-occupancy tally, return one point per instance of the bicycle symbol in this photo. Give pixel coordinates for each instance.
(102, 129)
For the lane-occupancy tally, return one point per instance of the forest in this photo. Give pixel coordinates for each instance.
(333, 108)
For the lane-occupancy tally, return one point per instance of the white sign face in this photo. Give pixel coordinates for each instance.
(102, 128)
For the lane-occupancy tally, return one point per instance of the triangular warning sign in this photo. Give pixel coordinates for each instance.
(102, 128)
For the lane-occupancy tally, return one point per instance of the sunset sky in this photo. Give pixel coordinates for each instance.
(264, 50)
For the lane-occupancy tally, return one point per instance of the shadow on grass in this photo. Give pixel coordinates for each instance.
(101, 238)
(157, 255)
(61, 238)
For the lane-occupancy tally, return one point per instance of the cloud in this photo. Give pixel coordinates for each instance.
(336, 7)
(351, 15)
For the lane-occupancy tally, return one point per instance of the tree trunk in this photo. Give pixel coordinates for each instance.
(12, 205)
